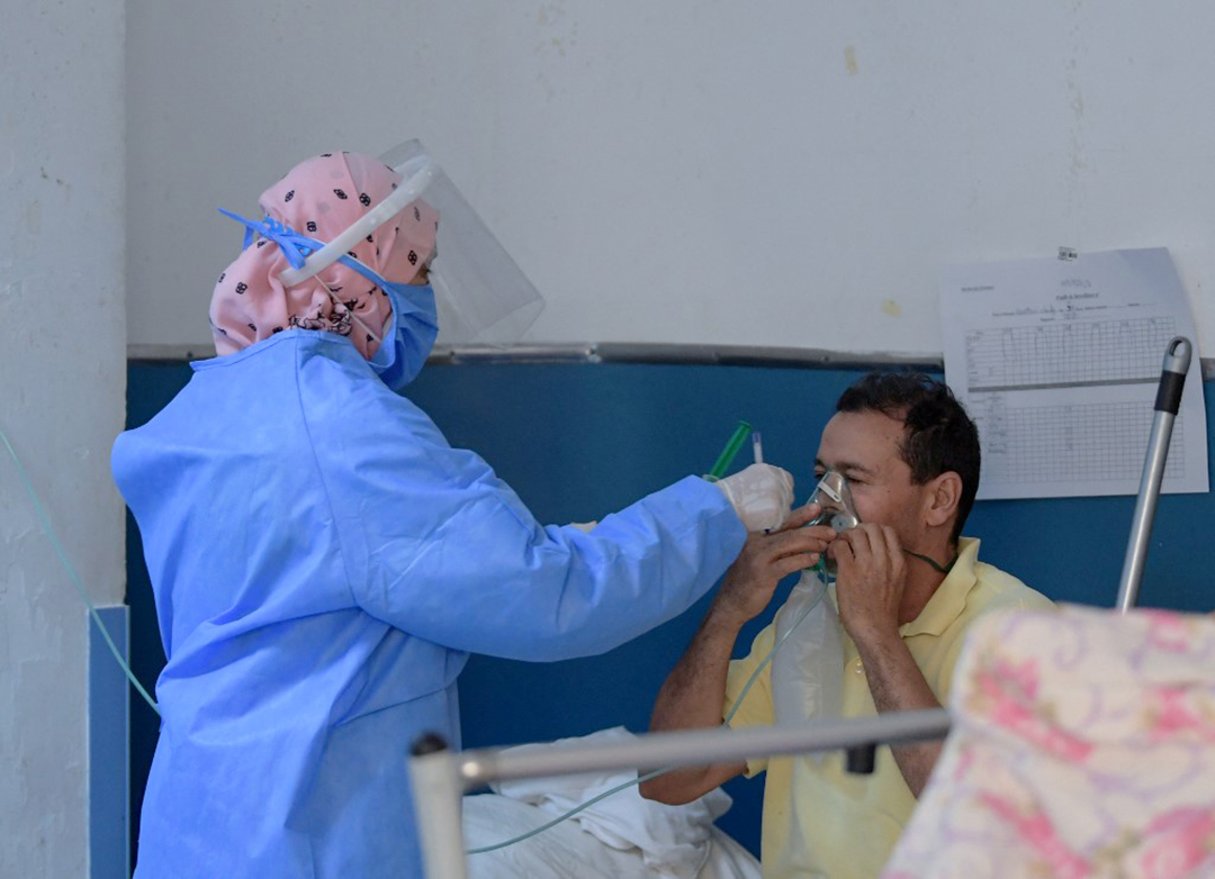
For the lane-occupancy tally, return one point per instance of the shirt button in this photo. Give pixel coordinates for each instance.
(859, 667)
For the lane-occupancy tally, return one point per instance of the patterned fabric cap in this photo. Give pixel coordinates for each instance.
(320, 198)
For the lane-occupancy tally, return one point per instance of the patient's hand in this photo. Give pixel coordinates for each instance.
(766, 559)
(869, 587)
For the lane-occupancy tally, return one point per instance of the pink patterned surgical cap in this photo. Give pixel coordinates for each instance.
(320, 198)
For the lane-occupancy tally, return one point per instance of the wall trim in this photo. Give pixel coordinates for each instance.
(631, 352)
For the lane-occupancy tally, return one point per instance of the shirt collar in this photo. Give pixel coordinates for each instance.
(949, 600)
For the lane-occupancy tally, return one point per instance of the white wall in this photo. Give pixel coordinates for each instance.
(62, 368)
(780, 173)
(785, 173)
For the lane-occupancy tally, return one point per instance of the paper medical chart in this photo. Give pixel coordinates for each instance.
(1058, 362)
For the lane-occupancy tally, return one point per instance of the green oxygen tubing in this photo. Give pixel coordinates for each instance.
(726, 458)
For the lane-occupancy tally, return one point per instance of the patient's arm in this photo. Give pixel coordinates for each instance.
(695, 691)
(897, 684)
(692, 698)
(872, 599)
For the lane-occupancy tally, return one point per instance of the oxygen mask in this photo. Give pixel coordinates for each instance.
(838, 511)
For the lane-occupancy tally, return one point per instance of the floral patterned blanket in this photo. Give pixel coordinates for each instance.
(1082, 745)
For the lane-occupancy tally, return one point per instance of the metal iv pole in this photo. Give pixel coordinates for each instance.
(1168, 402)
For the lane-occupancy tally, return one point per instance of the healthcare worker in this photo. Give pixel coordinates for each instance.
(323, 561)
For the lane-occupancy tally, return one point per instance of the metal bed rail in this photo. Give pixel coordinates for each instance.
(440, 777)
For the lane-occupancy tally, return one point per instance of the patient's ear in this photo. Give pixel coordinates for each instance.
(942, 497)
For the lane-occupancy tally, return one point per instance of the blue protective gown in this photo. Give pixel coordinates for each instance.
(323, 561)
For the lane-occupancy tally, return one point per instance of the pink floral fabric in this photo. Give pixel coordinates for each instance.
(1083, 747)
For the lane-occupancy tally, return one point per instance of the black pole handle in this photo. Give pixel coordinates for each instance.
(1172, 376)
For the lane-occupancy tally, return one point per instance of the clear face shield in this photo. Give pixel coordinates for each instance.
(482, 296)
(835, 498)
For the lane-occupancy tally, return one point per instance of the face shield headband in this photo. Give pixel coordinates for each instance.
(416, 176)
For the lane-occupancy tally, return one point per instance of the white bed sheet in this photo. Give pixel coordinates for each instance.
(567, 850)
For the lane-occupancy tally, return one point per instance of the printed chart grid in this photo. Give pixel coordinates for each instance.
(1091, 441)
(1067, 354)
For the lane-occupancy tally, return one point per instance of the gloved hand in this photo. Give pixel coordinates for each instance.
(762, 495)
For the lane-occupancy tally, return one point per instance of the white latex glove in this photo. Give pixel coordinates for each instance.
(762, 495)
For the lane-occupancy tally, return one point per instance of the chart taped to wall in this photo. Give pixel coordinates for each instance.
(1058, 362)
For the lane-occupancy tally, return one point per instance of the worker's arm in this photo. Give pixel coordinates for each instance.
(869, 588)
(693, 695)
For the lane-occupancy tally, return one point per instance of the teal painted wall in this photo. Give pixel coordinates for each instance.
(579, 440)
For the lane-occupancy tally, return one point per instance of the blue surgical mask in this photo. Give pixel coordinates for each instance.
(409, 334)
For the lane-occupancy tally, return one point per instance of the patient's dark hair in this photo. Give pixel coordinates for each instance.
(938, 435)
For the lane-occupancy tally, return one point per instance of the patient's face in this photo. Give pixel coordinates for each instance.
(864, 447)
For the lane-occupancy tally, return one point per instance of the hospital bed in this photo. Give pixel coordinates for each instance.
(567, 850)
(1081, 744)
(440, 776)
(619, 834)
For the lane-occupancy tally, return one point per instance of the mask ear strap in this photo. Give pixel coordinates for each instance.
(941, 569)
(297, 246)
(294, 245)
(365, 270)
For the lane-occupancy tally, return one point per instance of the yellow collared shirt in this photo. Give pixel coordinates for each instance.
(819, 820)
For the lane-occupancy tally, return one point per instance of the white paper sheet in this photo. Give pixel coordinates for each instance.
(1058, 362)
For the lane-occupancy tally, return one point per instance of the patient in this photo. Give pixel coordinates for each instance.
(907, 588)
